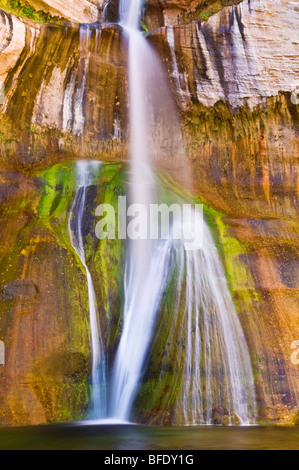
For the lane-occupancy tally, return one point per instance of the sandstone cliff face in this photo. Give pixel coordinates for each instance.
(44, 311)
(245, 164)
(234, 57)
(12, 40)
(237, 56)
(79, 11)
(61, 83)
(158, 13)
(65, 98)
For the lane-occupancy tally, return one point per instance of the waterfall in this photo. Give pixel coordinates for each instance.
(129, 14)
(217, 375)
(216, 380)
(217, 371)
(146, 260)
(85, 177)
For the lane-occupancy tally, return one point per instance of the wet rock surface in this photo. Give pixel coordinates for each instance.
(65, 99)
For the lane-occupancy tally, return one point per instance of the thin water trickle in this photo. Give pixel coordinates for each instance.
(73, 102)
(85, 175)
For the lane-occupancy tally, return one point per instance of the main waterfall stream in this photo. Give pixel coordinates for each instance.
(215, 371)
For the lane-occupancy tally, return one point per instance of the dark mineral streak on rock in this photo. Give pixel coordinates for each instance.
(6, 19)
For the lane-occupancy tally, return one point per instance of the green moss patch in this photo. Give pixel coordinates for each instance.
(25, 10)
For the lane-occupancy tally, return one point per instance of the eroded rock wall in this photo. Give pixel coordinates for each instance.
(44, 313)
(234, 78)
(79, 11)
(65, 91)
(242, 55)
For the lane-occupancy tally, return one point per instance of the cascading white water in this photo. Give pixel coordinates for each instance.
(85, 177)
(104, 13)
(129, 14)
(217, 376)
(216, 369)
(214, 338)
(146, 260)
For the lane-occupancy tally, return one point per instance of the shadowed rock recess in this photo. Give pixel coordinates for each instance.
(234, 71)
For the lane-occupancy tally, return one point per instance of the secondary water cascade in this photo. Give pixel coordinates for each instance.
(216, 370)
(85, 177)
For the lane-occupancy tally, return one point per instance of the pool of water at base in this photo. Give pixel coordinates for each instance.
(135, 437)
